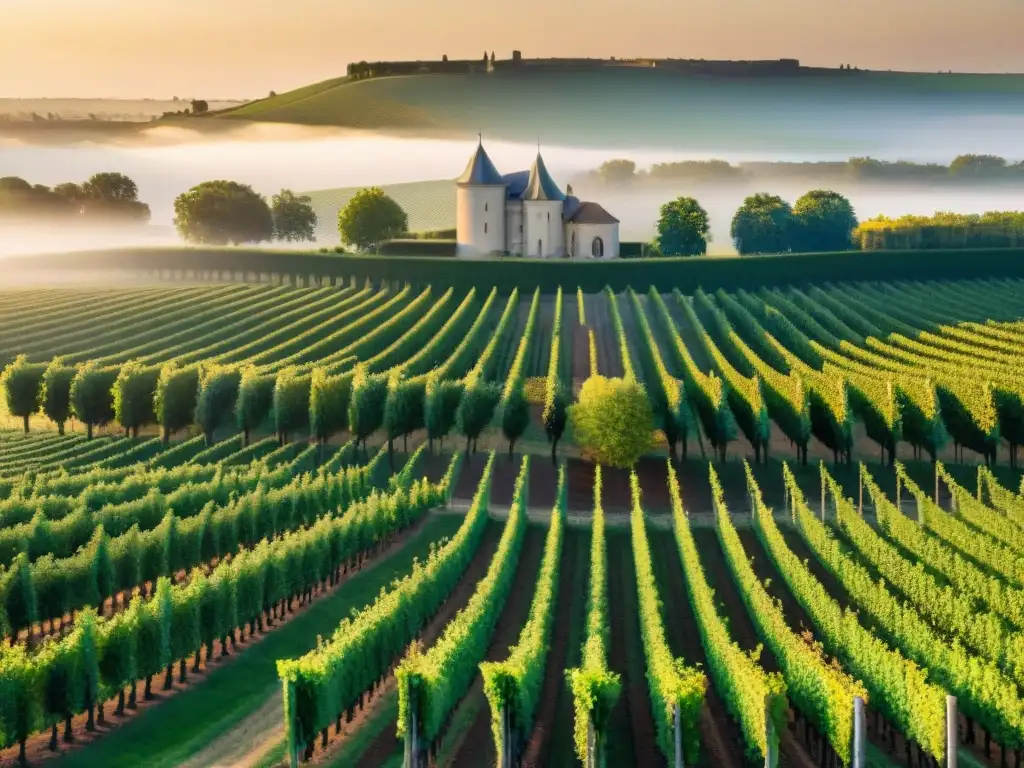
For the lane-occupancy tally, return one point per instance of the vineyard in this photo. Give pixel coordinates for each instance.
(350, 525)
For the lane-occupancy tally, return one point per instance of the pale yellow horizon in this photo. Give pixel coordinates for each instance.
(244, 48)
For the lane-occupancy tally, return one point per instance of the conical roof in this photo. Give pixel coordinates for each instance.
(480, 170)
(541, 185)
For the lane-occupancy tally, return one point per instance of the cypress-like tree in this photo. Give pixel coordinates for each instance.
(177, 394)
(134, 396)
(92, 398)
(22, 382)
(220, 392)
(56, 394)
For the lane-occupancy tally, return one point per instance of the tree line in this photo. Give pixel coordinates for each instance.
(965, 168)
(821, 220)
(226, 212)
(102, 197)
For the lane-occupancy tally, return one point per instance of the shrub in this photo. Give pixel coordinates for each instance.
(22, 382)
(134, 396)
(219, 392)
(177, 391)
(437, 248)
(291, 402)
(56, 394)
(328, 403)
(92, 398)
(613, 421)
(255, 399)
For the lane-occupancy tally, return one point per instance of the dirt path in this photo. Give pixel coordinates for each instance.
(548, 744)
(506, 351)
(629, 326)
(252, 737)
(477, 743)
(631, 730)
(742, 629)
(540, 348)
(386, 742)
(688, 333)
(608, 354)
(721, 740)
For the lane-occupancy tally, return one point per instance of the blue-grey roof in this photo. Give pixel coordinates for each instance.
(541, 185)
(480, 170)
(516, 183)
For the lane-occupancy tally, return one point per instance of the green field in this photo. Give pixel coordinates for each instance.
(284, 473)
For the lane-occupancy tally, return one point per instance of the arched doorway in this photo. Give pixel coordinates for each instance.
(597, 248)
(540, 248)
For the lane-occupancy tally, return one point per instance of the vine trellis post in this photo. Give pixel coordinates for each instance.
(952, 734)
(859, 731)
(678, 733)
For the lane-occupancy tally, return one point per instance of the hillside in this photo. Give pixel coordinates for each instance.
(430, 205)
(631, 106)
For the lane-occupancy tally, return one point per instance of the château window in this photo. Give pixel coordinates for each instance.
(485, 227)
(485, 207)
(520, 229)
(597, 248)
(549, 218)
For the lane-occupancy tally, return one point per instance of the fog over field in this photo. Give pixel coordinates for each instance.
(270, 157)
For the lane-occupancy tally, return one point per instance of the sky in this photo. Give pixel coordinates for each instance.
(244, 48)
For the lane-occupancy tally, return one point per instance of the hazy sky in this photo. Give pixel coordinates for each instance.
(244, 48)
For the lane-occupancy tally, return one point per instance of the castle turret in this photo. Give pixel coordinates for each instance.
(544, 228)
(480, 207)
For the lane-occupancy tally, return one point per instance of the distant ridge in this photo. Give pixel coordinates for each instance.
(606, 106)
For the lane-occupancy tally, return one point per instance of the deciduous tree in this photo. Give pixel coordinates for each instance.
(294, 217)
(56, 394)
(763, 224)
(824, 221)
(683, 228)
(370, 218)
(223, 213)
(613, 421)
(22, 382)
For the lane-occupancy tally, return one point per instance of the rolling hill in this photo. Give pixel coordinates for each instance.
(430, 205)
(656, 108)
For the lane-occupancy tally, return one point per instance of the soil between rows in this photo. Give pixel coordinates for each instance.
(721, 740)
(477, 747)
(631, 738)
(386, 742)
(552, 740)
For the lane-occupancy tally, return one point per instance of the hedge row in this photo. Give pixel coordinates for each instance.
(686, 274)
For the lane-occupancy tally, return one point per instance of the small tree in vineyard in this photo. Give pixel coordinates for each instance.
(291, 403)
(134, 397)
(476, 409)
(556, 416)
(613, 421)
(328, 403)
(441, 408)
(255, 399)
(177, 390)
(22, 382)
(515, 417)
(92, 398)
(56, 394)
(366, 406)
(219, 389)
